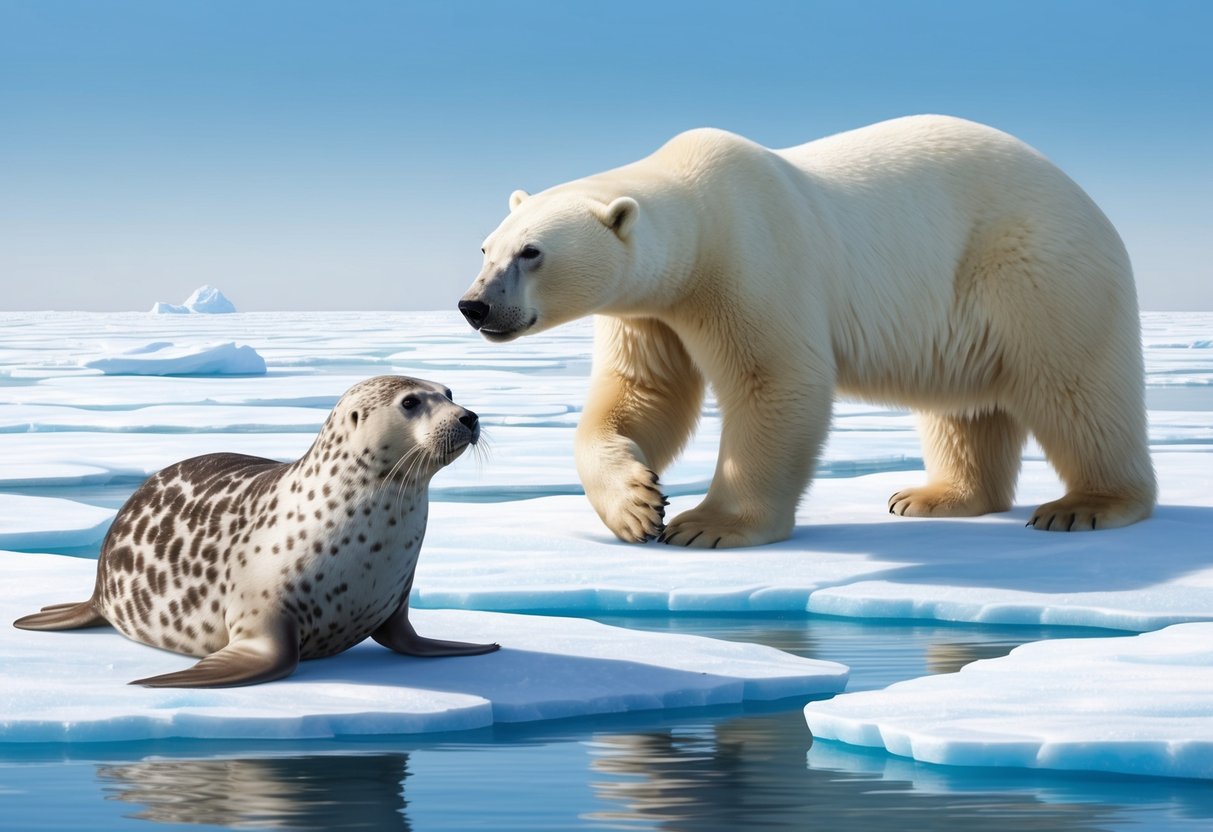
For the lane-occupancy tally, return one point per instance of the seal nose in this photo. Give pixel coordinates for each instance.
(475, 311)
(472, 422)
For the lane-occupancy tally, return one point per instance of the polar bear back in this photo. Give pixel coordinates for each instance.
(971, 234)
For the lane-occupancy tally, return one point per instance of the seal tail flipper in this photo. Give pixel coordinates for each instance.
(265, 657)
(63, 617)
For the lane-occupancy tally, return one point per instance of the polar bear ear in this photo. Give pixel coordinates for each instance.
(516, 198)
(620, 215)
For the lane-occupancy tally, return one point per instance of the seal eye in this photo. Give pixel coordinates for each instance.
(410, 402)
(448, 394)
(529, 253)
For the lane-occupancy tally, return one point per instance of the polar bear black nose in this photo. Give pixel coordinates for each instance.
(475, 311)
(469, 420)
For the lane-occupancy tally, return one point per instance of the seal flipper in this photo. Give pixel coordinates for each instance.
(397, 634)
(271, 654)
(63, 617)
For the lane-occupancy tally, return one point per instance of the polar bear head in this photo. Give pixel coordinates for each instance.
(559, 255)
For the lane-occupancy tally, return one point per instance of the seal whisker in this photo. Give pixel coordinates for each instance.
(392, 472)
(404, 469)
(419, 455)
(481, 451)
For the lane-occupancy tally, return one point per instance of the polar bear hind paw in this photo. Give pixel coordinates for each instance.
(1079, 512)
(938, 500)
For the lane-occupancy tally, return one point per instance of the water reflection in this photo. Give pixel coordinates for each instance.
(308, 792)
(750, 773)
(949, 657)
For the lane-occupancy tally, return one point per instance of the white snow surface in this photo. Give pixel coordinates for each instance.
(1132, 705)
(510, 531)
(34, 523)
(164, 358)
(72, 686)
(205, 299)
(847, 557)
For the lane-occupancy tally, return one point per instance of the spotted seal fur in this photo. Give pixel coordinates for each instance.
(256, 564)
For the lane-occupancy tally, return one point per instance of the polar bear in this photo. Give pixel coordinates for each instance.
(927, 262)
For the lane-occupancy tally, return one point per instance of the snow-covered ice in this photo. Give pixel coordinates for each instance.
(164, 358)
(1134, 705)
(509, 528)
(72, 686)
(847, 557)
(35, 523)
(205, 299)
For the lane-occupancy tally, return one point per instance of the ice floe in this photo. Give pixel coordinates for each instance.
(1133, 705)
(164, 358)
(72, 686)
(847, 557)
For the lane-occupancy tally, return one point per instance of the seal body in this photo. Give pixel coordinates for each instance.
(255, 564)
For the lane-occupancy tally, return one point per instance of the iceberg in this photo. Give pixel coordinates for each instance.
(205, 299)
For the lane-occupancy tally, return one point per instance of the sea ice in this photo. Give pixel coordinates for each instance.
(37, 523)
(520, 493)
(1134, 705)
(72, 686)
(164, 358)
(206, 299)
(510, 530)
(847, 557)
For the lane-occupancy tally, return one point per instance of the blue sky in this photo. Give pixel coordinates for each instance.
(352, 155)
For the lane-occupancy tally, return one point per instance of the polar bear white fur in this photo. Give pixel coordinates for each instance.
(927, 261)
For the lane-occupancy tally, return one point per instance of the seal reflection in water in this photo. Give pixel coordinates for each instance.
(321, 792)
(256, 564)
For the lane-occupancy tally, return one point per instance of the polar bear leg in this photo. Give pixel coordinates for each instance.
(1100, 451)
(644, 401)
(972, 464)
(769, 445)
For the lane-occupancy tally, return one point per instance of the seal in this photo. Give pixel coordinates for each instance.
(256, 564)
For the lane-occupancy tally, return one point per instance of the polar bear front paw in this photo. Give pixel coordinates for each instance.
(636, 511)
(707, 530)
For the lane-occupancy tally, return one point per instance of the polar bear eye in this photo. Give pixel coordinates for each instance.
(529, 253)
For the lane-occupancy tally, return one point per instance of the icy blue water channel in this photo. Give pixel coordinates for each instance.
(694, 770)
